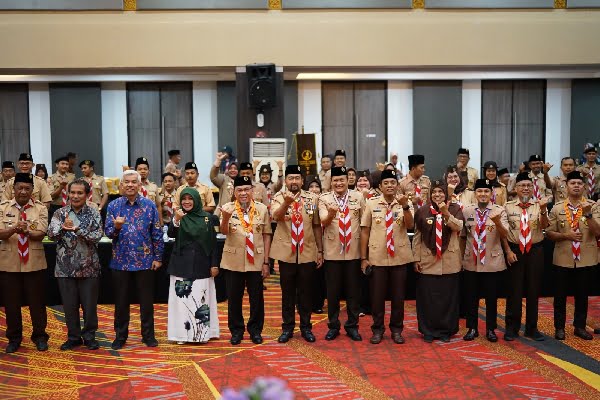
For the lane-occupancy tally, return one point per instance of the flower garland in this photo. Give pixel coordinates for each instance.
(246, 225)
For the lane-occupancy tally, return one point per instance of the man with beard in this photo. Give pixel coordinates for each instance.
(539, 176)
(224, 181)
(298, 246)
(574, 227)
(191, 179)
(485, 227)
(247, 226)
(591, 171)
(41, 192)
(527, 218)
(340, 212)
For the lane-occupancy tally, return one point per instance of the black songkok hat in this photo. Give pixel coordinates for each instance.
(86, 162)
(490, 165)
(589, 149)
(575, 175)
(535, 157)
(339, 171)
(340, 153)
(503, 171)
(415, 159)
(462, 150)
(293, 170)
(388, 173)
(59, 159)
(242, 181)
(190, 165)
(8, 164)
(266, 169)
(483, 184)
(25, 157)
(142, 160)
(245, 166)
(522, 176)
(24, 178)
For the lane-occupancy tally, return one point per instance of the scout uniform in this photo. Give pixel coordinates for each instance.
(559, 188)
(54, 181)
(297, 257)
(171, 167)
(341, 246)
(591, 178)
(244, 258)
(539, 184)
(415, 187)
(472, 176)
(204, 191)
(166, 200)
(389, 258)
(525, 239)
(22, 268)
(225, 185)
(482, 259)
(149, 190)
(97, 184)
(325, 179)
(575, 259)
(9, 165)
(41, 192)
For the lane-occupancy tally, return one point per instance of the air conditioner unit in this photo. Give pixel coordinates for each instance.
(268, 151)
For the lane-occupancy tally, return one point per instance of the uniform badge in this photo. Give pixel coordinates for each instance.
(562, 224)
(258, 228)
(399, 221)
(429, 221)
(490, 228)
(513, 225)
(377, 220)
(32, 226)
(356, 212)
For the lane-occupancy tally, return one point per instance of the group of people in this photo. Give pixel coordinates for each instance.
(344, 226)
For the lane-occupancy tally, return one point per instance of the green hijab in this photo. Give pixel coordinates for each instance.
(195, 226)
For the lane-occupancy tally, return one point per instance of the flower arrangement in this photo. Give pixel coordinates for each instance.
(261, 389)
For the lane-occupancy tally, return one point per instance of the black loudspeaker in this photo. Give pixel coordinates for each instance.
(261, 86)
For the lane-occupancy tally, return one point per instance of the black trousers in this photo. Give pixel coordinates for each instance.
(487, 284)
(525, 273)
(580, 279)
(392, 279)
(236, 283)
(13, 286)
(343, 277)
(319, 289)
(75, 292)
(296, 279)
(144, 285)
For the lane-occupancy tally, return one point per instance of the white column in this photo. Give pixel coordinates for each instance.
(471, 121)
(310, 113)
(115, 146)
(558, 122)
(40, 137)
(400, 121)
(204, 111)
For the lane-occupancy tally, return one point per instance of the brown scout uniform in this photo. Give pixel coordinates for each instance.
(332, 245)
(204, 191)
(152, 190)
(225, 185)
(325, 178)
(161, 197)
(54, 182)
(514, 211)
(559, 188)
(234, 250)
(472, 176)
(451, 259)
(494, 255)
(585, 169)
(41, 192)
(541, 183)
(98, 186)
(408, 184)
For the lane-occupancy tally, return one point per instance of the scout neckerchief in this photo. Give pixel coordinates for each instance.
(479, 238)
(389, 230)
(438, 231)
(536, 188)
(493, 195)
(144, 192)
(297, 226)
(246, 217)
(91, 183)
(418, 194)
(573, 216)
(591, 181)
(23, 240)
(63, 196)
(524, 231)
(344, 225)
(168, 206)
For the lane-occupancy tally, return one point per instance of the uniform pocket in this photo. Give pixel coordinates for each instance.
(229, 249)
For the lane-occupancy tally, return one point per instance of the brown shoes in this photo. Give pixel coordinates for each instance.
(397, 338)
(376, 338)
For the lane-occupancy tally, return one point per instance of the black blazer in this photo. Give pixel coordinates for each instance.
(191, 262)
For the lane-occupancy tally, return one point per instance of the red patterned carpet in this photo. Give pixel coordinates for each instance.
(324, 370)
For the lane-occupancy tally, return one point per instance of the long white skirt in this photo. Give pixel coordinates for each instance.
(192, 310)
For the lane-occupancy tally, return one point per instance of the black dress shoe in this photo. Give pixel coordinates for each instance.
(597, 331)
(354, 335)
(91, 344)
(471, 335)
(118, 344)
(150, 342)
(535, 335)
(12, 347)
(428, 339)
(41, 345)
(583, 334)
(256, 338)
(490, 335)
(236, 339)
(70, 344)
(308, 336)
(318, 311)
(397, 338)
(285, 336)
(559, 334)
(509, 336)
(332, 334)
(376, 338)
(445, 339)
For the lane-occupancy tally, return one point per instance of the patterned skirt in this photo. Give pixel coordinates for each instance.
(192, 310)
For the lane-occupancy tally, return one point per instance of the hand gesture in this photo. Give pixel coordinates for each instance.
(21, 227)
(227, 211)
(221, 156)
(289, 197)
(279, 165)
(380, 166)
(496, 218)
(574, 236)
(68, 224)
(214, 271)
(511, 258)
(63, 183)
(156, 265)
(443, 208)
(547, 167)
(179, 214)
(255, 163)
(521, 167)
(451, 188)
(402, 199)
(543, 203)
(587, 208)
(332, 208)
(119, 222)
(460, 165)
(125, 167)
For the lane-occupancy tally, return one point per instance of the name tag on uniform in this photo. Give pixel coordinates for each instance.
(377, 210)
(470, 219)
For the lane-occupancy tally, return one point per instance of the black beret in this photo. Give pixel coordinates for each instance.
(522, 176)
(24, 178)
(25, 157)
(242, 181)
(8, 164)
(490, 165)
(245, 166)
(503, 171)
(86, 162)
(388, 173)
(266, 169)
(590, 149)
(415, 159)
(172, 153)
(483, 184)
(339, 171)
(462, 150)
(141, 160)
(340, 153)
(293, 170)
(190, 165)
(59, 159)
(535, 157)
(575, 175)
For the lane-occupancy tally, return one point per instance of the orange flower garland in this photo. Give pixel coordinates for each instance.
(246, 225)
(573, 223)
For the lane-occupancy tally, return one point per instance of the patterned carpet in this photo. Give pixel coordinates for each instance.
(324, 370)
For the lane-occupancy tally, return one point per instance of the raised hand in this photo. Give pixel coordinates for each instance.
(119, 222)
(547, 167)
(443, 208)
(289, 197)
(332, 208)
(402, 199)
(179, 214)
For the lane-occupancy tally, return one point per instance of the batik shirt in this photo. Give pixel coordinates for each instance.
(76, 252)
(139, 242)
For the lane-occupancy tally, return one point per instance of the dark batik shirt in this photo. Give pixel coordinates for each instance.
(76, 252)
(139, 242)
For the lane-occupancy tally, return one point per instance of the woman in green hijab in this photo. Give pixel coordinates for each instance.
(193, 266)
